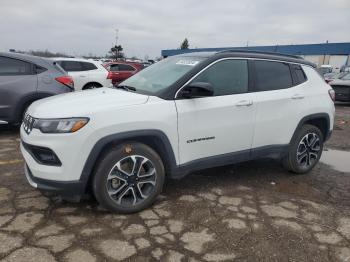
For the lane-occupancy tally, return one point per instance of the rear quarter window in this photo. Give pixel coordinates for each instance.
(39, 69)
(71, 66)
(299, 75)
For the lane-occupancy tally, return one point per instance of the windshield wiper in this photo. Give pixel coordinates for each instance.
(127, 88)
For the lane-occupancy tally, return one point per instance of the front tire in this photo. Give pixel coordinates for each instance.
(305, 150)
(128, 178)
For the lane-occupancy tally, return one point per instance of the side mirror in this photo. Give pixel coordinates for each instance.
(196, 90)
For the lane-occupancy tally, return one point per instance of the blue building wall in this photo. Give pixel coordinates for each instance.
(308, 49)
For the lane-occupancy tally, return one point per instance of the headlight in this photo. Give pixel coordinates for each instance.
(67, 125)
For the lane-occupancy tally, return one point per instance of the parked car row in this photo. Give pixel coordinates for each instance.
(25, 79)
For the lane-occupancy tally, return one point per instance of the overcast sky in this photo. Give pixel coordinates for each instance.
(80, 27)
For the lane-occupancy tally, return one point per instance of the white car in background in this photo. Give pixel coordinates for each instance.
(87, 74)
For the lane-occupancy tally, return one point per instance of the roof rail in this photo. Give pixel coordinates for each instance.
(258, 52)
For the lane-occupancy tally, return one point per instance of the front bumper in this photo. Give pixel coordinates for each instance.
(72, 150)
(67, 189)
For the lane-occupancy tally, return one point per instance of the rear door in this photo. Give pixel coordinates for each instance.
(17, 80)
(280, 102)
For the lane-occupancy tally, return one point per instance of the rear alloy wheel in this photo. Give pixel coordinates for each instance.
(305, 150)
(308, 150)
(129, 178)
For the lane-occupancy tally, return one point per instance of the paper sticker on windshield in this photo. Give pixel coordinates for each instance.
(187, 62)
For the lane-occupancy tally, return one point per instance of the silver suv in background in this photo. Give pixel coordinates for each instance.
(25, 79)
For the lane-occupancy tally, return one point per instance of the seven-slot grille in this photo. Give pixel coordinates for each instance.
(28, 123)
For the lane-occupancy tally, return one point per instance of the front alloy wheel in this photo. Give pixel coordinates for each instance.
(128, 178)
(131, 180)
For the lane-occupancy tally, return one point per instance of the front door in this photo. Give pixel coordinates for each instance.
(221, 124)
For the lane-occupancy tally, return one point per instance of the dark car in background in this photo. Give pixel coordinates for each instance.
(341, 87)
(119, 71)
(25, 79)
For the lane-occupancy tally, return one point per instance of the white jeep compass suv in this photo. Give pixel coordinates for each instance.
(185, 113)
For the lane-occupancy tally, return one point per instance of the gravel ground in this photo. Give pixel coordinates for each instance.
(254, 211)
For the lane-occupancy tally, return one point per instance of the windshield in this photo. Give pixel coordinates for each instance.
(161, 75)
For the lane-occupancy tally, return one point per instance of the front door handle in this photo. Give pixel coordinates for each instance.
(297, 96)
(244, 103)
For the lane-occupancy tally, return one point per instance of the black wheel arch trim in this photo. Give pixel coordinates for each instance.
(307, 118)
(101, 144)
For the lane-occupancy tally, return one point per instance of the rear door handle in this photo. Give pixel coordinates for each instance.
(82, 76)
(297, 96)
(244, 103)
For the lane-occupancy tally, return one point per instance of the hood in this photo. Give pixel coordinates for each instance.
(339, 82)
(83, 103)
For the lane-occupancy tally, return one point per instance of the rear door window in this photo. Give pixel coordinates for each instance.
(114, 68)
(123, 67)
(270, 75)
(88, 66)
(10, 66)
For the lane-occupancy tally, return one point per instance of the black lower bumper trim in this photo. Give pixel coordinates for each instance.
(63, 188)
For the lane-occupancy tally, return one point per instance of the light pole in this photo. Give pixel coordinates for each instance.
(116, 42)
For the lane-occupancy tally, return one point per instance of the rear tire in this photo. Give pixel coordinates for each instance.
(92, 86)
(305, 150)
(128, 178)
